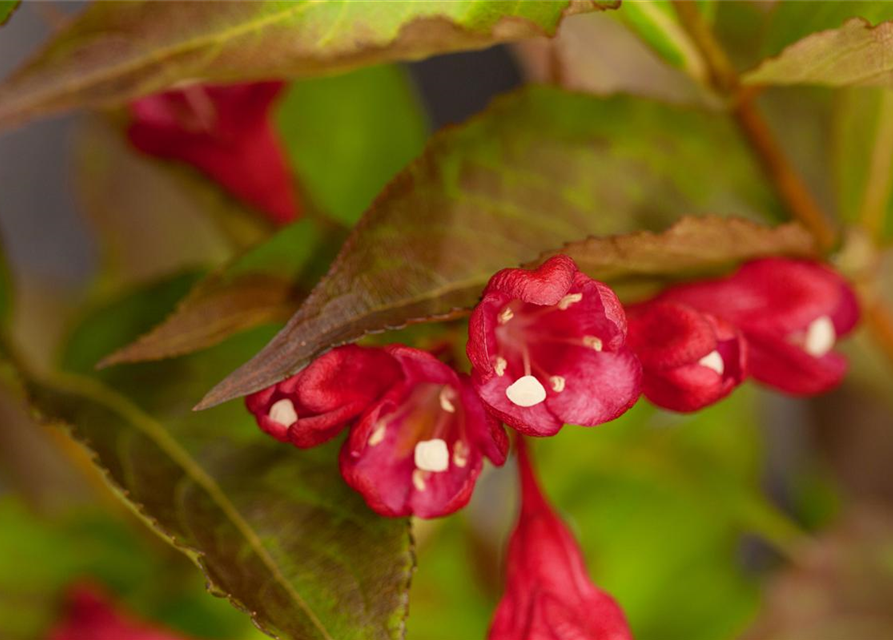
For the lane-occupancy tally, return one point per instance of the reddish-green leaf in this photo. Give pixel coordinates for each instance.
(692, 247)
(118, 50)
(274, 528)
(263, 286)
(855, 54)
(540, 168)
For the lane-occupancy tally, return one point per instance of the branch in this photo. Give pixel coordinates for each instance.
(724, 79)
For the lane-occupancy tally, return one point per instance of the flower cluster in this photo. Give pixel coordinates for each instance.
(548, 347)
(551, 346)
(226, 133)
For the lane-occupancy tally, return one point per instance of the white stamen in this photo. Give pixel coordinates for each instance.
(593, 343)
(568, 300)
(446, 396)
(820, 337)
(526, 391)
(505, 315)
(557, 383)
(432, 455)
(283, 412)
(713, 361)
(460, 453)
(418, 479)
(378, 435)
(500, 366)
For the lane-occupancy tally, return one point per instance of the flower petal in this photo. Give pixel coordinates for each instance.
(599, 386)
(546, 285)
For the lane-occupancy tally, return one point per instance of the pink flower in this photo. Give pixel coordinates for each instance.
(315, 404)
(90, 615)
(792, 312)
(548, 593)
(419, 450)
(689, 359)
(548, 348)
(226, 133)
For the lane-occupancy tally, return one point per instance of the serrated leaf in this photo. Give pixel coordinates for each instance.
(275, 529)
(863, 159)
(116, 51)
(856, 54)
(263, 286)
(540, 168)
(691, 247)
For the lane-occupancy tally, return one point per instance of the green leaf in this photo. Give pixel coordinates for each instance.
(540, 168)
(348, 135)
(116, 51)
(7, 8)
(275, 529)
(854, 54)
(863, 159)
(656, 23)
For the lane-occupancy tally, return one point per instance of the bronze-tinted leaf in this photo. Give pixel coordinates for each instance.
(691, 247)
(274, 528)
(540, 168)
(115, 51)
(856, 54)
(262, 286)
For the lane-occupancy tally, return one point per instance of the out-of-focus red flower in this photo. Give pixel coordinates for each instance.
(548, 347)
(689, 359)
(548, 593)
(791, 312)
(226, 133)
(419, 450)
(315, 404)
(90, 615)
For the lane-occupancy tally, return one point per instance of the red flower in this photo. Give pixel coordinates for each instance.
(225, 132)
(419, 450)
(548, 593)
(689, 359)
(790, 311)
(548, 348)
(315, 404)
(91, 616)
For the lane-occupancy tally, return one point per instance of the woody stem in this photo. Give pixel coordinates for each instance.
(788, 184)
